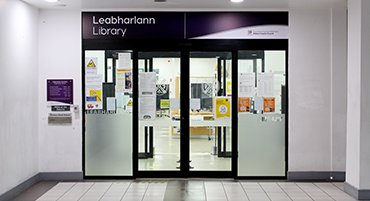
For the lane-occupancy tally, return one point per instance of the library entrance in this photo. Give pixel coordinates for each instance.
(170, 107)
(185, 113)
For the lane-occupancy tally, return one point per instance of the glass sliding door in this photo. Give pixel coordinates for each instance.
(159, 111)
(261, 113)
(210, 111)
(108, 113)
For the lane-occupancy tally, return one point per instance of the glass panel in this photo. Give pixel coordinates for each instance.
(210, 111)
(108, 115)
(261, 113)
(159, 110)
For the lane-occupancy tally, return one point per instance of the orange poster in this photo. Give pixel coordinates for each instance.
(268, 105)
(244, 104)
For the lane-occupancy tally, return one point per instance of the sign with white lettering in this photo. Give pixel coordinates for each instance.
(185, 25)
(130, 25)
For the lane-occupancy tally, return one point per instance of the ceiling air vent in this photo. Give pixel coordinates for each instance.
(160, 1)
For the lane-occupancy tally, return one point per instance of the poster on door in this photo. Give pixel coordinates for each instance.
(93, 92)
(268, 104)
(123, 81)
(244, 104)
(223, 108)
(147, 95)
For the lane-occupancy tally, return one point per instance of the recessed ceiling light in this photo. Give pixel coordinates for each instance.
(51, 1)
(236, 1)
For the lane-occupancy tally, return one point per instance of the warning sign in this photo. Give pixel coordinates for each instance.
(91, 65)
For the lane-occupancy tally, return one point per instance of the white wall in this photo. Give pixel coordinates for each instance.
(309, 90)
(339, 85)
(317, 88)
(19, 90)
(316, 140)
(60, 57)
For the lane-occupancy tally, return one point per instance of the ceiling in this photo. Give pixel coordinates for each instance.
(181, 4)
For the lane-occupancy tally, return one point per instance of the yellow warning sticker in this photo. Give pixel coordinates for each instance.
(91, 64)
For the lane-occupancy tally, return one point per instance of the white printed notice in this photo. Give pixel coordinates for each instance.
(265, 84)
(124, 61)
(147, 95)
(247, 82)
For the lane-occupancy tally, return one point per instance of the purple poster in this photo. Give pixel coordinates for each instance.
(60, 91)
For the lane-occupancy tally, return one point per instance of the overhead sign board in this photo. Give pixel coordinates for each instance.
(185, 25)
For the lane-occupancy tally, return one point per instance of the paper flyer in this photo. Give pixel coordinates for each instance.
(268, 104)
(223, 107)
(124, 61)
(147, 95)
(265, 84)
(94, 99)
(247, 82)
(93, 92)
(244, 104)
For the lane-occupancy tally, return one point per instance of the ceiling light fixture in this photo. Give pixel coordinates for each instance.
(52, 1)
(236, 1)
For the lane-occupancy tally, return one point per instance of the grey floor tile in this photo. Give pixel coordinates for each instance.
(35, 191)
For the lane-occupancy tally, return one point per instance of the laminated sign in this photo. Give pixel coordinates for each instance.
(223, 107)
(244, 104)
(268, 105)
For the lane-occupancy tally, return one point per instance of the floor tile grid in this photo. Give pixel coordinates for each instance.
(96, 192)
(294, 192)
(116, 191)
(214, 191)
(155, 191)
(314, 192)
(254, 191)
(136, 191)
(234, 191)
(246, 194)
(334, 192)
(274, 192)
(76, 192)
(56, 192)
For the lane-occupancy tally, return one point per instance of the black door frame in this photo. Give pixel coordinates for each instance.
(185, 171)
(185, 46)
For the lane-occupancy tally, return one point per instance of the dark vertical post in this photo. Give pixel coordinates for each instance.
(219, 93)
(135, 114)
(234, 113)
(151, 131)
(184, 125)
(224, 94)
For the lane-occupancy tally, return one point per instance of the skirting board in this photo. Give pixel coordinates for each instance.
(354, 192)
(43, 176)
(317, 176)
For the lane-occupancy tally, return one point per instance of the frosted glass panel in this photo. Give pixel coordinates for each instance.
(108, 144)
(261, 139)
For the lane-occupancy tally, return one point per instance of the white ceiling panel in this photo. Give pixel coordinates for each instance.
(181, 4)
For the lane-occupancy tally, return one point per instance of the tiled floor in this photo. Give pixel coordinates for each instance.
(194, 190)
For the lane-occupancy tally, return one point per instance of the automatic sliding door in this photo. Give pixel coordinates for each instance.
(159, 111)
(210, 111)
(261, 116)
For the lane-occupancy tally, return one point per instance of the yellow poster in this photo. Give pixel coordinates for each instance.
(96, 94)
(268, 105)
(244, 104)
(165, 103)
(223, 107)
